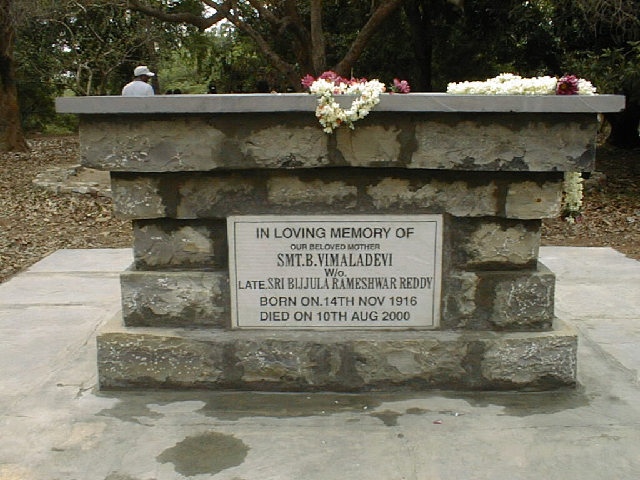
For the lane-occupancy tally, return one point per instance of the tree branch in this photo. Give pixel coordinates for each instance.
(383, 10)
(285, 68)
(202, 23)
(266, 13)
(302, 41)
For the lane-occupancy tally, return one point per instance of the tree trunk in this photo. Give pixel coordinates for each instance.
(420, 28)
(624, 126)
(318, 47)
(11, 136)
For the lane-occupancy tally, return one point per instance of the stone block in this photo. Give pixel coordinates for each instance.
(150, 145)
(494, 243)
(501, 301)
(285, 146)
(533, 200)
(427, 140)
(493, 143)
(215, 196)
(458, 198)
(518, 361)
(171, 244)
(334, 361)
(373, 145)
(167, 144)
(176, 299)
(138, 197)
(293, 191)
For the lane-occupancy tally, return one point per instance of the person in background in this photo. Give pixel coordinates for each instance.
(139, 87)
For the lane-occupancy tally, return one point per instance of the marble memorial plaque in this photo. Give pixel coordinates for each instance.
(335, 272)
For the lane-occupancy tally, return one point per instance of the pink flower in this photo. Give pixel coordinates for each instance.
(307, 81)
(328, 75)
(400, 86)
(334, 78)
(567, 85)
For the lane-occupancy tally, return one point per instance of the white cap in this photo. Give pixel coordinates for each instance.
(143, 70)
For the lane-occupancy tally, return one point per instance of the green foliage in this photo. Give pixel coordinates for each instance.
(37, 108)
(88, 48)
(598, 40)
(612, 70)
(220, 57)
(601, 42)
(479, 42)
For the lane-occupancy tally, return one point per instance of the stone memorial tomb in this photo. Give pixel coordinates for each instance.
(402, 254)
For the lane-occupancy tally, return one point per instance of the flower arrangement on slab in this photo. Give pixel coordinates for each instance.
(510, 84)
(330, 114)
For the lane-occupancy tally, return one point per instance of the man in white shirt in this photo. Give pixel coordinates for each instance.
(139, 86)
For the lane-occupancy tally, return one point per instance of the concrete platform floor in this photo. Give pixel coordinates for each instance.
(55, 425)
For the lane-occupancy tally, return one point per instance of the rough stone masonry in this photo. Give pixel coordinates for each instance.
(492, 167)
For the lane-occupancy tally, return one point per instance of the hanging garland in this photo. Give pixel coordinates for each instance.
(329, 112)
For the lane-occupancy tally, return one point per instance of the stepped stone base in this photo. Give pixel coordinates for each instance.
(334, 361)
(492, 166)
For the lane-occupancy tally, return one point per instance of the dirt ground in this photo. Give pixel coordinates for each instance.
(35, 222)
(611, 207)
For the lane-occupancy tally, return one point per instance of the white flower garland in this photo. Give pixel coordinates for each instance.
(510, 84)
(331, 115)
(572, 195)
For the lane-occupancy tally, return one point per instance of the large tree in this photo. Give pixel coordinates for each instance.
(11, 136)
(296, 25)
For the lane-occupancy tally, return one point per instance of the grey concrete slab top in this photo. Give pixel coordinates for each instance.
(302, 102)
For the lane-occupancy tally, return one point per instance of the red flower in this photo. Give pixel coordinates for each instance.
(567, 85)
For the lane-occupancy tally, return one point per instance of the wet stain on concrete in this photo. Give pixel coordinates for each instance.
(388, 417)
(120, 476)
(132, 408)
(523, 404)
(289, 405)
(453, 413)
(232, 406)
(416, 411)
(208, 453)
